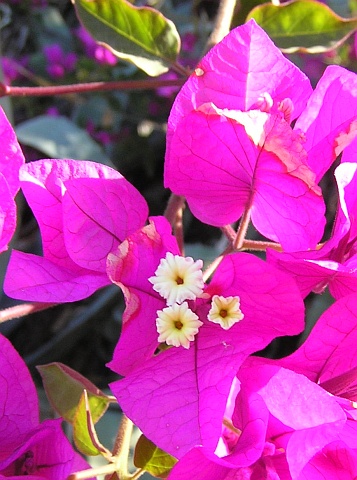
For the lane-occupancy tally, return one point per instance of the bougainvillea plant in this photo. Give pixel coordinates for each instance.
(248, 145)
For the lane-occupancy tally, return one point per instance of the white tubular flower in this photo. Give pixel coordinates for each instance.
(264, 102)
(178, 278)
(286, 106)
(177, 325)
(225, 311)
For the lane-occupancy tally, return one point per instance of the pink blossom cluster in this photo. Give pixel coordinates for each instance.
(247, 137)
(12, 68)
(59, 63)
(102, 55)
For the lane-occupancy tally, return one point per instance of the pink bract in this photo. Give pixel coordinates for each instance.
(215, 151)
(237, 71)
(28, 448)
(329, 121)
(84, 210)
(178, 397)
(334, 265)
(11, 159)
(322, 357)
(229, 134)
(129, 267)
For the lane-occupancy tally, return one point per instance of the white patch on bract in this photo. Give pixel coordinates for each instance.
(253, 121)
(344, 138)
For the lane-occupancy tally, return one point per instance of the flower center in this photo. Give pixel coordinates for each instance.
(225, 311)
(177, 325)
(264, 102)
(178, 278)
(286, 106)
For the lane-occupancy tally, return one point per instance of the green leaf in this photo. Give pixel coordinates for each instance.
(152, 459)
(84, 434)
(303, 25)
(64, 388)
(58, 137)
(140, 35)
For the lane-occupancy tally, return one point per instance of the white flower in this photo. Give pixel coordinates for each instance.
(177, 325)
(225, 311)
(178, 278)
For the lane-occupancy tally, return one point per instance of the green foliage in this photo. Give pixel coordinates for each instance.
(59, 137)
(139, 35)
(84, 434)
(64, 389)
(303, 25)
(152, 459)
(51, 28)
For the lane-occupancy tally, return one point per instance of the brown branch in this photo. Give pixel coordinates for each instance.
(23, 310)
(242, 229)
(147, 84)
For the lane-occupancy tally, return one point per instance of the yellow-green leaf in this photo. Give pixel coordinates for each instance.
(140, 35)
(152, 459)
(64, 388)
(84, 434)
(303, 25)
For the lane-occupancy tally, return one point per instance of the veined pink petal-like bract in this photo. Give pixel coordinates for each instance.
(84, 211)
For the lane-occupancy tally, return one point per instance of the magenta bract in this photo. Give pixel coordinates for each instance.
(334, 265)
(84, 210)
(130, 267)
(281, 427)
(28, 448)
(11, 159)
(178, 397)
(329, 121)
(229, 133)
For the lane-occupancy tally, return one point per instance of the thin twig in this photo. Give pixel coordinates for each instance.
(260, 246)
(178, 231)
(147, 84)
(23, 310)
(229, 232)
(174, 204)
(137, 474)
(93, 472)
(242, 229)
(122, 446)
(186, 72)
(213, 266)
